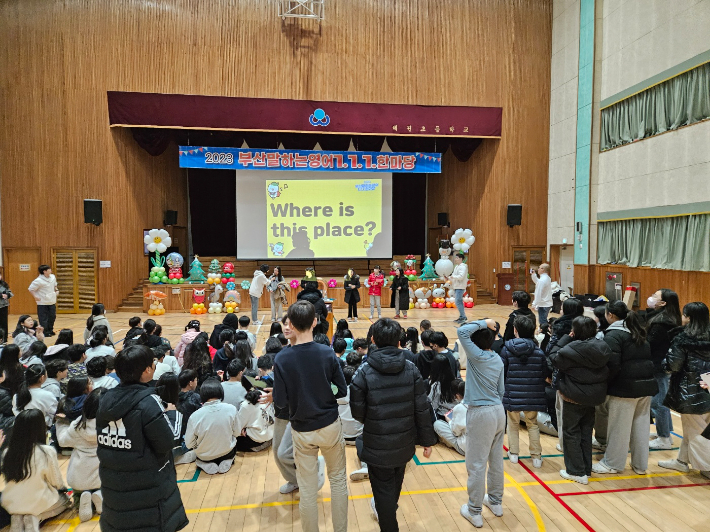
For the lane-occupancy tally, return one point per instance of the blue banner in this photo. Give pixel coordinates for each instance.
(314, 161)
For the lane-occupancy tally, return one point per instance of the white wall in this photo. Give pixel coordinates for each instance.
(563, 120)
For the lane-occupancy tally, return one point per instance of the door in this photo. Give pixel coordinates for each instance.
(75, 269)
(20, 270)
(524, 258)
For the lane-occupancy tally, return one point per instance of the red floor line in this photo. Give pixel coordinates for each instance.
(555, 495)
(621, 490)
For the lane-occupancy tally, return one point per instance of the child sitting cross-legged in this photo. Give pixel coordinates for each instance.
(212, 430)
(83, 471)
(257, 422)
(452, 429)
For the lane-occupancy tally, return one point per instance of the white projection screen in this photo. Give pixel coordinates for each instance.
(313, 215)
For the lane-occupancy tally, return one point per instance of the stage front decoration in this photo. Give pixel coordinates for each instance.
(463, 239)
(157, 241)
(444, 267)
(156, 305)
(174, 261)
(197, 274)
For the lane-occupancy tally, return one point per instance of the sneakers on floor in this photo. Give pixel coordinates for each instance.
(639, 471)
(288, 488)
(208, 467)
(602, 469)
(665, 444)
(537, 463)
(321, 472)
(598, 446)
(512, 457)
(98, 499)
(85, 510)
(225, 466)
(582, 480)
(396, 316)
(257, 322)
(186, 458)
(559, 448)
(370, 316)
(360, 474)
(674, 464)
(475, 519)
(374, 510)
(497, 509)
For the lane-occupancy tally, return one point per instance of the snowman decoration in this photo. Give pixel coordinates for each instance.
(444, 267)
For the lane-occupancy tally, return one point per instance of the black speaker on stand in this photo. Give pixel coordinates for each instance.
(93, 211)
(170, 218)
(443, 219)
(515, 215)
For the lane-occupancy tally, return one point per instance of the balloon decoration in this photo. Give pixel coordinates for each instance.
(463, 239)
(175, 261)
(231, 301)
(332, 283)
(215, 305)
(156, 306)
(410, 263)
(198, 307)
(231, 285)
(197, 274)
(428, 272)
(295, 283)
(444, 267)
(422, 295)
(246, 284)
(157, 241)
(228, 272)
(451, 300)
(215, 273)
(468, 301)
(439, 299)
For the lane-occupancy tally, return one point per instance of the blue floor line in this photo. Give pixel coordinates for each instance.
(193, 479)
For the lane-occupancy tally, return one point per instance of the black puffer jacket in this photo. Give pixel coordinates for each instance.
(138, 479)
(630, 366)
(583, 371)
(510, 325)
(658, 335)
(388, 396)
(7, 417)
(423, 362)
(230, 321)
(562, 326)
(687, 359)
(525, 372)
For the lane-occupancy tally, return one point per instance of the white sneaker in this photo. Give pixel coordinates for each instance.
(225, 466)
(497, 509)
(475, 519)
(674, 464)
(257, 322)
(360, 474)
(582, 480)
(597, 445)
(85, 510)
(512, 457)
(374, 510)
(370, 316)
(661, 443)
(537, 463)
(355, 320)
(559, 448)
(98, 499)
(602, 469)
(288, 488)
(653, 435)
(321, 472)
(186, 458)
(208, 467)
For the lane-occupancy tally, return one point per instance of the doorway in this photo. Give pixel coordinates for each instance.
(20, 270)
(75, 269)
(524, 258)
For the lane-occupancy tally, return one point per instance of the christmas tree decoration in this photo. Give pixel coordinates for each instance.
(197, 274)
(428, 272)
(215, 272)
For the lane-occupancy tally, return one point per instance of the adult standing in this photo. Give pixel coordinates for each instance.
(663, 316)
(277, 288)
(5, 295)
(400, 289)
(687, 359)
(351, 284)
(303, 378)
(44, 290)
(256, 290)
(459, 280)
(375, 282)
(543, 292)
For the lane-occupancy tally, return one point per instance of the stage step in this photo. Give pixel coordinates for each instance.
(133, 301)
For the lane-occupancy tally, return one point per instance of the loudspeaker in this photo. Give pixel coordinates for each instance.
(93, 212)
(443, 218)
(170, 218)
(515, 215)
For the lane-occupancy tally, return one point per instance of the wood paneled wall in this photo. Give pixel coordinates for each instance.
(59, 59)
(690, 286)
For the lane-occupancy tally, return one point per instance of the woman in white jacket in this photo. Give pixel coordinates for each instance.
(83, 471)
(34, 487)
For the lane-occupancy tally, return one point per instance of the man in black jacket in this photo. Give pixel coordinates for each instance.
(135, 438)
(388, 396)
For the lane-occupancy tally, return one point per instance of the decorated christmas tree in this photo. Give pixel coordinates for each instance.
(428, 269)
(197, 274)
(215, 267)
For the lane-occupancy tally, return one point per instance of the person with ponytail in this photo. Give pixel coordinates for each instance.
(662, 316)
(34, 488)
(83, 470)
(31, 394)
(11, 367)
(33, 355)
(151, 340)
(225, 353)
(98, 347)
(630, 388)
(98, 317)
(687, 359)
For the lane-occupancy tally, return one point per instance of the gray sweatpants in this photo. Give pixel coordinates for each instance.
(559, 404)
(283, 450)
(375, 300)
(628, 429)
(485, 430)
(254, 308)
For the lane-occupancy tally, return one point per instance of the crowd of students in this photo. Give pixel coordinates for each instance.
(127, 417)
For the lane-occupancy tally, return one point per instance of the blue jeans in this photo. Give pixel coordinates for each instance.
(458, 298)
(542, 313)
(662, 414)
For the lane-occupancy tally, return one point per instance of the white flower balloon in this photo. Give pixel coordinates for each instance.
(463, 239)
(157, 240)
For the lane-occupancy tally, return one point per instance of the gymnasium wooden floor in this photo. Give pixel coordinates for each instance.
(247, 498)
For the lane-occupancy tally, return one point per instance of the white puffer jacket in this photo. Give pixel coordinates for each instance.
(83, 471)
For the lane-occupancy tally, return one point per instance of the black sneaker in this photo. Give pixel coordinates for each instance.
(49, 334)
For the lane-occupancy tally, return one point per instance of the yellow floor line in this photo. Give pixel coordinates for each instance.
(531, 504)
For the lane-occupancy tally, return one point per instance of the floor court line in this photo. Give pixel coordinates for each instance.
(623, 490)
(533, 507)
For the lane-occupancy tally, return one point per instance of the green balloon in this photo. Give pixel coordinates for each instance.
(155, 280)
(181, 280)
(391, 277)
(164, 279)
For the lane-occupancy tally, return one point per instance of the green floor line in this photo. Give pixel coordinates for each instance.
(194, 477)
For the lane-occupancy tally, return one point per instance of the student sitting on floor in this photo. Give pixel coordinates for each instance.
(234, 391)
(57, 371)
(452, 429)
(31, 395)
(83, 470)
(265, 366)
(257, 422)
(212, 431)
(441, 395)
(77, 366)
(168, 389)
(34, 487)
(96, 368)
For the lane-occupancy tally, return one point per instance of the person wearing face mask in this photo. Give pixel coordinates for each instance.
(351, 283)
(662, 317)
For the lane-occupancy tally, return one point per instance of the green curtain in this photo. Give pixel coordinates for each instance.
(679, 101)
(678, 243)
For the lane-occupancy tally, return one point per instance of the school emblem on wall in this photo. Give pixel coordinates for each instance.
(319, 118)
